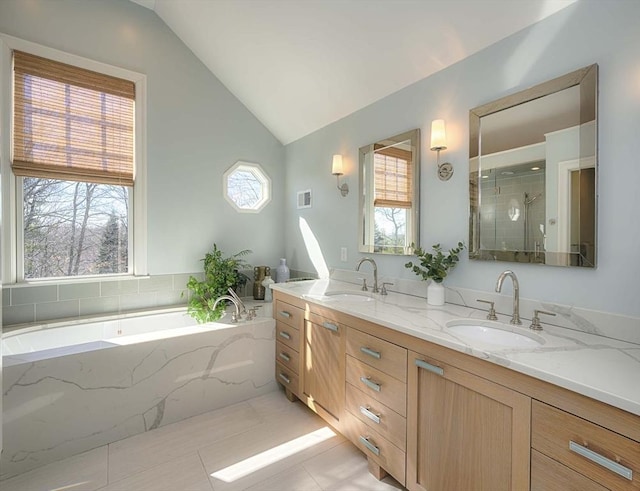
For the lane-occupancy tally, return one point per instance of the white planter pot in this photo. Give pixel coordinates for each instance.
(435, 293)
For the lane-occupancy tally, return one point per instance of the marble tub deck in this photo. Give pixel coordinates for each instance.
(216, 451)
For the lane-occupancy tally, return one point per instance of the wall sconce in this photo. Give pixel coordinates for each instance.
(336, 170)
(439, 142)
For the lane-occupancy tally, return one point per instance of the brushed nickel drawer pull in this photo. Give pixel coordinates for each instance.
(331, 326)
(595, 457)
(365, 441)
(284, 356)
(372, 416)
(429, 367)
(286, 379)
(372, 385)
(284, 313)
(285, 335)
(368, 351)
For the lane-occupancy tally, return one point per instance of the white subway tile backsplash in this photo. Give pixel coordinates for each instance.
(78, 290)
(118, 287)
(25, 303)
(34, 294)
(18, 314)
(57, 310)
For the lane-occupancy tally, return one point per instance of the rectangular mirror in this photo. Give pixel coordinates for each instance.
(390, 195)
(533, 172)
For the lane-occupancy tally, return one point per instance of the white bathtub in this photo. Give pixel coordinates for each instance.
(70, 388)
(41, 342)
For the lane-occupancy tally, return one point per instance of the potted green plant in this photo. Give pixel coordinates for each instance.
(220, 274)
(435, 266)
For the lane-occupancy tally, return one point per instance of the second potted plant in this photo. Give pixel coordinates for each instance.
(435, 266)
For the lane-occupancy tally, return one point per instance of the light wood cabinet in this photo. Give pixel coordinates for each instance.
(465, 431)
(289, 328)
(466, 424)
(586, 449)
(323, 368)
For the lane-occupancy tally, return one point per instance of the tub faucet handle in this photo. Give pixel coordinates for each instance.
(364, 285)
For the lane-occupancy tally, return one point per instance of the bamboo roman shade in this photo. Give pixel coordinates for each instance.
(71, 123)
(393, 178)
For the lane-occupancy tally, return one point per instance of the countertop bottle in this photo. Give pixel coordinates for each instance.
(268, 296)
(282, 271)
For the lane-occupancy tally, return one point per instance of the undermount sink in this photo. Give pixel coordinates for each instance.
(494, 333)
(341, 295)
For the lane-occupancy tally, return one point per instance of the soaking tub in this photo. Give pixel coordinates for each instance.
(70, 388)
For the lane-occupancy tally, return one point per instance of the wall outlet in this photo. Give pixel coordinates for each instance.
(343, 254)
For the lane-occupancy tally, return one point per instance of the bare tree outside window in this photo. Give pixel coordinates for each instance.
(74, 228)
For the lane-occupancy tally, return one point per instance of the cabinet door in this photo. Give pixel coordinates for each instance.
(324, 369)
(464, 432)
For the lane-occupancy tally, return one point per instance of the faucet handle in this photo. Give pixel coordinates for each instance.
(383, 290)
(234, 318)
(535, 321)
(364, 285)
(492, 311)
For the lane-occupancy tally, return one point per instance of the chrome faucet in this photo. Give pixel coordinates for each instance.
(515, 318)
(235, 315)
(375, 272)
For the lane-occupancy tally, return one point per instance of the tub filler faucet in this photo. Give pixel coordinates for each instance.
(235, 316)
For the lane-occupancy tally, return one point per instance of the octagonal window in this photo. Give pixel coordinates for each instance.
(247, 187)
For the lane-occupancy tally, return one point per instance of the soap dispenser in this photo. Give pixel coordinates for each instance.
(268, 296)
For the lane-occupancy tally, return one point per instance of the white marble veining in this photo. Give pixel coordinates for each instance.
(578, 359)
(67, 402)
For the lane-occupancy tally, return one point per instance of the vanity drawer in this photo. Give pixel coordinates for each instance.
(379, 385)
(288, 335)
(376, 415)
(289, 314)
(599, 454)
(288, 357)
(383, 355)
(549, 475)
(375, 447)
(287, 378)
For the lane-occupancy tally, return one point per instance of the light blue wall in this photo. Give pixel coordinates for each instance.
(196, 128)
(590, 31)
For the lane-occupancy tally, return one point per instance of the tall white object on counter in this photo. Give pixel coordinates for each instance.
(282, 271)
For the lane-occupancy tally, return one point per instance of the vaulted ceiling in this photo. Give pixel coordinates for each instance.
(299, 65)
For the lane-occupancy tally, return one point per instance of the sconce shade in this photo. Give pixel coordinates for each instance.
(438, 135)
(336, 168)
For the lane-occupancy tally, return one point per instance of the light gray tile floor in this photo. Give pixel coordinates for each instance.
(263, 444)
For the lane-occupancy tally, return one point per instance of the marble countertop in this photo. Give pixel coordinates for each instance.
(602, 368)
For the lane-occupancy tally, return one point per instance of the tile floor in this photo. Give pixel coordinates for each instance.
(263, 444)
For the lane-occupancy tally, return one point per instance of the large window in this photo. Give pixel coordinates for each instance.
(77, 196)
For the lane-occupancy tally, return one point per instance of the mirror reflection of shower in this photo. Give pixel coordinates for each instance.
(513, 209)
(530, 242)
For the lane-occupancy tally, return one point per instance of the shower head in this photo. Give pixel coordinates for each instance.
(528, 199)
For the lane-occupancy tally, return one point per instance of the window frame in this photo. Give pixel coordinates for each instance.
(263, 178)
(12, 186)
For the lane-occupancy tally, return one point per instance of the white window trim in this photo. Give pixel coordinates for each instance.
(8, 182)
(263, 177)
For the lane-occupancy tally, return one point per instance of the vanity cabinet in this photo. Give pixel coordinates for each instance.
(323, 366)
(582, 451)
(466, 432)
(437, 419)
(375, 419)
(289, 336)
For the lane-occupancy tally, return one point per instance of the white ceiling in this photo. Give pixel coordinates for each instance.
(299, 65)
